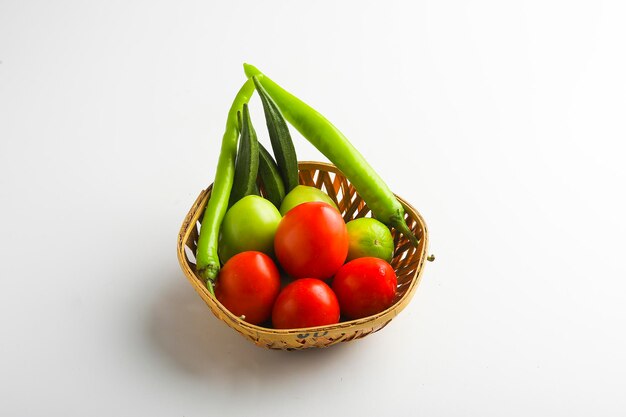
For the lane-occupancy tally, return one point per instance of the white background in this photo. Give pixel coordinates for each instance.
(502, 122)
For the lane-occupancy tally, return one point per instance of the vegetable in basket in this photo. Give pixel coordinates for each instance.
(336, 147)
(304, 194)
(207, 260)
(282, 145)
(270, 178)
(247, 161)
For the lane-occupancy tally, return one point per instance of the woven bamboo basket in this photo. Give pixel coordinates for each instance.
(408, 262)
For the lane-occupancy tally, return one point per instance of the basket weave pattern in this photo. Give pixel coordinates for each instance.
(408, 262)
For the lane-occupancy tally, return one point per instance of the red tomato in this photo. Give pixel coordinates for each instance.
(306, 302)
(248, 285)
(365, 286)
(311, 241)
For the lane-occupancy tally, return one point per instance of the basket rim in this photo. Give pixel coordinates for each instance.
(193, 216)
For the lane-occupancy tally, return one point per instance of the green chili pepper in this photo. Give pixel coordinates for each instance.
(207, 260)
(336, 147)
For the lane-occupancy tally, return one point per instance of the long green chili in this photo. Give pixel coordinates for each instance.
(336, 147)
(207, 260)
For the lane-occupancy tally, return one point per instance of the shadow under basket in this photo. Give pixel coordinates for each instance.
(408, 262)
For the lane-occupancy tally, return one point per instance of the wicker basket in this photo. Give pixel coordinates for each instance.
(408, 263)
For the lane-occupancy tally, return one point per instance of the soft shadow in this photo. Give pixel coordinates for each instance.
(191, 338)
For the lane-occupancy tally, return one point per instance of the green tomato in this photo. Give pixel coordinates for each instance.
(304, 194)
(249, 225)
(369, 237)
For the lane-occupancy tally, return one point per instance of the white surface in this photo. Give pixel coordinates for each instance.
(502, 122)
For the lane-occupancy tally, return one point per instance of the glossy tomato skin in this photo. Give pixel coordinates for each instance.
(365, 286)
(311, 241)
(306, 302)
(248, 285)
